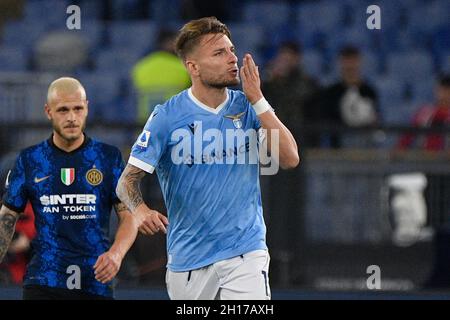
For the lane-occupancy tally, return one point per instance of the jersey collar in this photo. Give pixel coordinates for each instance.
(204, 106)
(83, 145)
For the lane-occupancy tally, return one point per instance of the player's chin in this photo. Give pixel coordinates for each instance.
(72, 134)
(234, 81)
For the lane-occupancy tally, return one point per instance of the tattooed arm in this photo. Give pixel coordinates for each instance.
(128, 191)
(108, 264)
(8, 219)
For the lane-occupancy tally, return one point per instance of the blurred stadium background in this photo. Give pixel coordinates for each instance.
(329, 219)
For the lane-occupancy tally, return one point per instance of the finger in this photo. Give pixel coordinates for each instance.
(106, 276)
(107, 273)
(162, 228)
(146, 230)
(243, 78)
(251, 62)
(103, 275)
(246, 72)
(101, 267)
(164, 219)
(252, 67)
(98, 262)
(110, 275)
(156, 226)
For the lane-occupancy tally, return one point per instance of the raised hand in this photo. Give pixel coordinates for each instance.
(251, 82)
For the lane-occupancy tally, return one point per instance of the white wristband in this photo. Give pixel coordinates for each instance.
(261, 106)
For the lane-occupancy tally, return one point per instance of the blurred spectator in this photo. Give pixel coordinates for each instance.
(10, 9)
(436, 115)
(19, 252)
(61, 51)
(433, 115)
(290, 90)
(12, 268)
(159, 75)
(351, 101)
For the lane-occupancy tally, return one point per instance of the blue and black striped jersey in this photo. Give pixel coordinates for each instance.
(72, 194)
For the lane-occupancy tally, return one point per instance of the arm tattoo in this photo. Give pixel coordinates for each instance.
(120, 207)
(128, 187)
(8, 219)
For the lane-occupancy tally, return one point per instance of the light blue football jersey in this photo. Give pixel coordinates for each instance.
(207, 164)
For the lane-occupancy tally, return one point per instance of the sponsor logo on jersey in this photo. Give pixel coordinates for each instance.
(236, 119)
(78, 206)
(192, 127)
(67, 176)
(94, 176)
(37, 180)
(143, 139)
(56, 199)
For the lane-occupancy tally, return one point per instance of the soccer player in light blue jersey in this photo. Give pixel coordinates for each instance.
(203, 144)
(70, 180)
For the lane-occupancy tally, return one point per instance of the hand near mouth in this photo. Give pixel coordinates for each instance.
(251, 83)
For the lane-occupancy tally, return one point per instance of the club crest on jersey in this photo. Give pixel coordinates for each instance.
(67, 176)
(236, 119)
(94, 176)
(143, 139)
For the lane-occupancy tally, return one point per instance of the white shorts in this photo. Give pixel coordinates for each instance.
(243, 277)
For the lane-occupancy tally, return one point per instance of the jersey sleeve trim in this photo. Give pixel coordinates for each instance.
(141, 164)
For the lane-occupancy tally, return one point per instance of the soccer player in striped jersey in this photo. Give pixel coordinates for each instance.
(202, 143)
(70, 180)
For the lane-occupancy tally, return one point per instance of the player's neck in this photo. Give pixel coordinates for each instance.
(67, 145)
(212, 97)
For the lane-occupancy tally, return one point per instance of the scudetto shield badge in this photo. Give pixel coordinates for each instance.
(67, 176)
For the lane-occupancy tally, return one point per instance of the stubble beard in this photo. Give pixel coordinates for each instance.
(220, 83)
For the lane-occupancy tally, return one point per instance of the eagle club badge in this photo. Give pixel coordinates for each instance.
(236, 119)
(67, 176)
(94, 176)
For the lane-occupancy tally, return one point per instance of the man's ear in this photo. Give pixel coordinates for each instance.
(192, 67)
(47, 111)
(87, 107)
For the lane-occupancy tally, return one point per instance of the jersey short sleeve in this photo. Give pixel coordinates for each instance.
(15, 197)
(119, 165)
(151, 143)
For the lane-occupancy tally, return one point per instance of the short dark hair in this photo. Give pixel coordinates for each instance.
(444, 80)
(190, 34)
(349, 51)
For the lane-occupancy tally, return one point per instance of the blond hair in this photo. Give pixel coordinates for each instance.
(65, 85)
